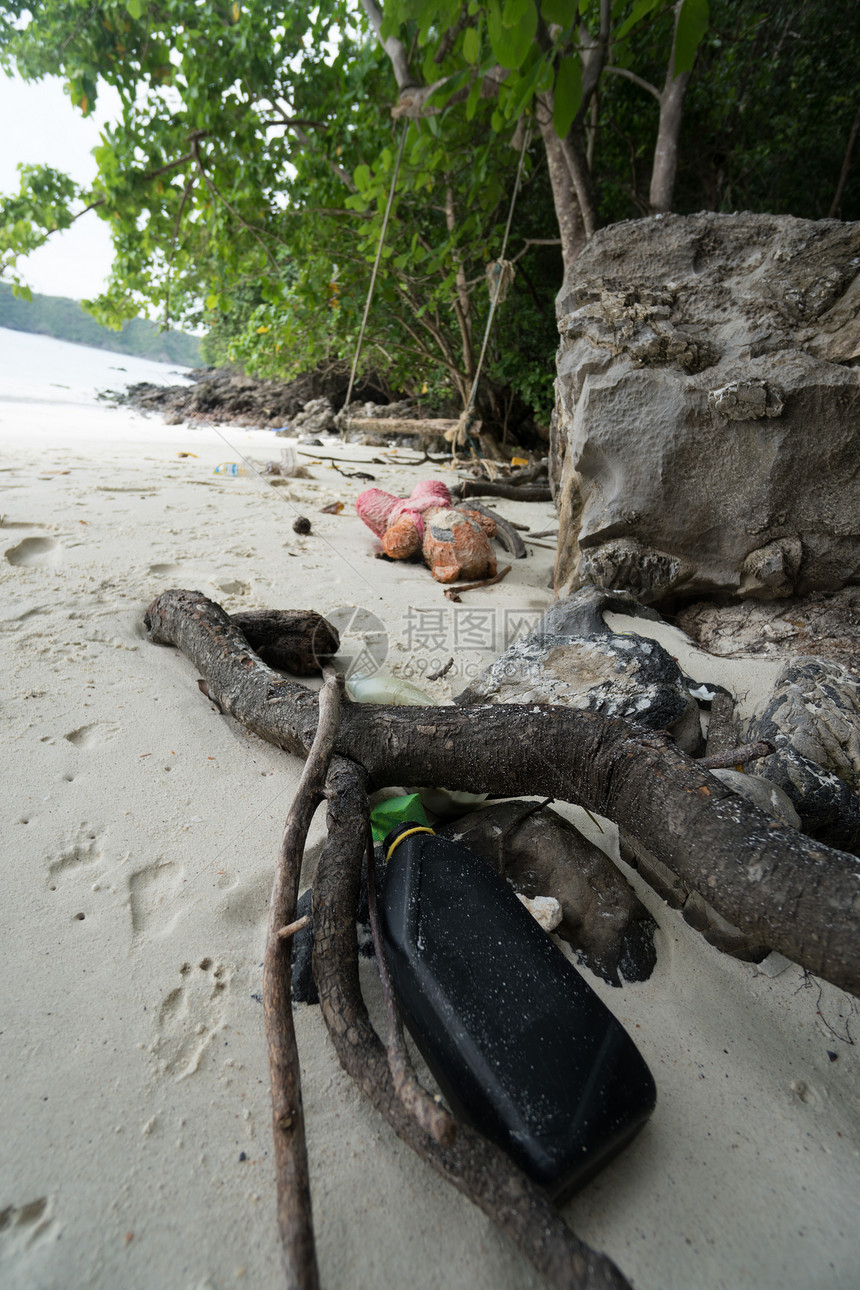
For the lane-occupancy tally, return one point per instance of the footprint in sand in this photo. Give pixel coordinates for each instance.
(190, 1017)
(24, 1226)
(153, 894)
(33, 551)
(232, 587)
(97, 732)
(83, 851)
(161, 570)
(247, 903)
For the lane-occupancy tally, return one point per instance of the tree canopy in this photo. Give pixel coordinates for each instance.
(246, 179)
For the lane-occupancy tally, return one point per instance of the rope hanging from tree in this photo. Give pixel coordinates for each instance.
(501, 273)
(376, 264)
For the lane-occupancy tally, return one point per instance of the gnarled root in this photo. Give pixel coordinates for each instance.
(473, 1165)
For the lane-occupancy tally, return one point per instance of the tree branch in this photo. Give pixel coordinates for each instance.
(637, 80)
(846, 165)
(473, 1165)
(288, 1123)
(394, 48)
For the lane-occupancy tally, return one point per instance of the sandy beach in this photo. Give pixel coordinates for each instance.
(140, 827)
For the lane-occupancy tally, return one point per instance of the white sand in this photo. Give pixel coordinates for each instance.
(140, 828)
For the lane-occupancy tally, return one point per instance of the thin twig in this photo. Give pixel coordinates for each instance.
(351, 461)
(215, 190)
(430, 1114)
(736, 756)
(186, 193)
(530, 810)
(453, 592)
(295, 1222)
(846, 165)
(290, 930)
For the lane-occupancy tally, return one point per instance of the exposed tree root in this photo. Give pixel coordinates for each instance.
(473, 1165)
(801, 897)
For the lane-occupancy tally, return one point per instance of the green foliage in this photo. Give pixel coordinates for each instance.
(65, 319)
(246, 179)
(770, 110)
(692, 25)
(39, 208)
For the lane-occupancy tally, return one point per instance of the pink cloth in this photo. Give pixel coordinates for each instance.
(378, 509)
(374, 506)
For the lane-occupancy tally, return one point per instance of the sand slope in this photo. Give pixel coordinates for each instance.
(139, 830)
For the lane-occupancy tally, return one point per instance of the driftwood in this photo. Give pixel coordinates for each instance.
(293, 640)
(803, 898)
(431, 427)
(505, 532)
(513, 492)
(288, 1124)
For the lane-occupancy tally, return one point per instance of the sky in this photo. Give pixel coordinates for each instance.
(42, 126)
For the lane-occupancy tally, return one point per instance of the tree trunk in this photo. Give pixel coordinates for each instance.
(571, 226)
(665, 165)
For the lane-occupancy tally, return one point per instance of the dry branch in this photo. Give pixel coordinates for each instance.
(505, 532)
(513, 492)
(453, 592)
(288, 1123)
(427, 1111)
(736, 756)
(471, 1164)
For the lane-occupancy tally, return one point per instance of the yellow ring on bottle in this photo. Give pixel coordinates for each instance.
(419, 828)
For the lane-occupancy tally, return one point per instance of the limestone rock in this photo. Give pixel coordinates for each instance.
(573, 658)
(813, 720)
(827, 626)
(544, 855)
(708, 409)
(316, 417)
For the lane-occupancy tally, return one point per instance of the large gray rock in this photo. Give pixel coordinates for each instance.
(827, 626)
(813, 720)
(708, 414)
(573, 659)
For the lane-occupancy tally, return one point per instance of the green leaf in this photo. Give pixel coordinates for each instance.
(692, 25)
(525, 88)
(513, 11)
(562, 12)
(567, 95)
(361, 177)
(471, 45)
(473, 100)
(135, 7)
(511, 44)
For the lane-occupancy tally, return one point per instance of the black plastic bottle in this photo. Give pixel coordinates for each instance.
(522, 1047)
